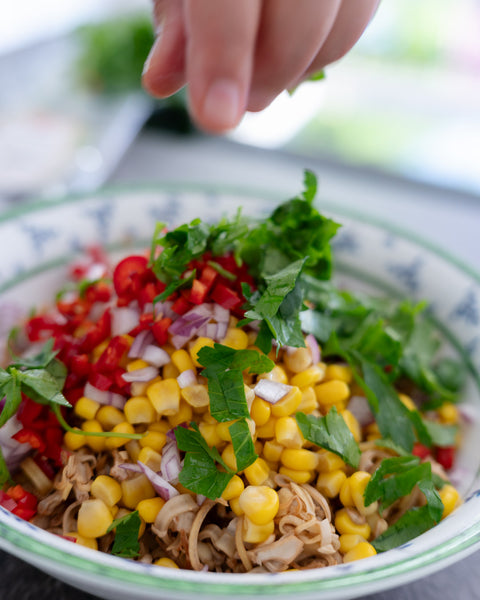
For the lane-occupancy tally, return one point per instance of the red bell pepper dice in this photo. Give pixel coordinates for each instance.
(126, 271)
(160, 330)
(198, 292)
(181, 305)
(112, 355)
(208, 276)
(226, 297)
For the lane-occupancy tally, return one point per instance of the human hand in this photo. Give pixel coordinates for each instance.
(239, 55)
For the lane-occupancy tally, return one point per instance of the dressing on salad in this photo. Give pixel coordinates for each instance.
(218, 404)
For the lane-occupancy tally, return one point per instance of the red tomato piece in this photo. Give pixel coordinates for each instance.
(126, 269)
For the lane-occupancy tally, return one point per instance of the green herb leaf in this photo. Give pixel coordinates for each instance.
(410, 525)
(200, 473)
(40, 385)
(330, 432)
(39, 361)
(126, 542)
(4, 472)
(11, 389)
(243, 445)
(173, 286)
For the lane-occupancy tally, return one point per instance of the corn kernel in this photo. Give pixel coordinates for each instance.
(299, 360)
(299, 458)
(135, 490)
(155, 440)
(170, 371)
(183, 361)
(183, 415)
(135, 365)
(223, 431)
(197, 345)
(450, 498)
(288, 404)
(287, 433)
(329, 461)
(209, 433)
(339, 372)
(260, 411)
(94, 518)
(352, 424)
(309, 377)
(196, 395)
(256, 534)
(346, 493)
(260, 503)
(151, 458)
(257, 473)
(139, 409)
(372, 432)
(448, 413)
(133, 448)
(358, 482)
(309, 401)
(345, 524)
(229, 458)
(106, 488)
(166, 562)
(109, 416)
(267, 430)
(139, 388)
(235, 338)
(163, 426)
(99, 349)
(276, 374)
(332, 393)
(329, 484)
(86, 408)
(407, 401)
(149, 508)
(361, 550)
(235, 506)
(83, 541)
(348, 541)
(116, 442)
(297, 475)
(233, 489)
(97, 444)
(165, 396)
(272, 451)
(74, 441)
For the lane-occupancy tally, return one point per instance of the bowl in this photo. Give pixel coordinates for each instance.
(38, 241)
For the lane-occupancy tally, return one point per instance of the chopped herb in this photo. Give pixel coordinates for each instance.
(126, 542)
(242, 442)
(330, 432)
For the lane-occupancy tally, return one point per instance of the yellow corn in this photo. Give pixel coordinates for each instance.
(309, 401)
(287, 433)
(372, 432)
(139, 409)
(310, 376)
(183, 415)
(133, 448)
(233, 489)
(276, 374)
(150, 457)
(235, 338)
(83, 541)
(149, 508)
(332, 393)
(97, 444)
(74, 441)
(329, 461)
(98, 350)
(94, 518)
(165, 396)
(348, 541)
(267, 430)
(448, 413)
(223, 431)
(260, 411)
(197, 345)
(183, 361)
(256, 534)
(209, 433)
(109, 416)
(235, 506)
(361, 550)
(450, 498)
(86, 408)
(407, 401)
(299, 458)
(299, 360)
(229, 458)
(116, 442)
(329, 484)
(352, 424)
(272, 451)
(166, 562)
(346, 493)
(135, 365)
(196, 395)
(345, 524)
(106, 488)
(155, 440)
(170, 371)
(163, 426)
(257, 473)
(260, 503)
(288, 404)
(139, 388)
(135, 490)
(297, 475)
(358, 482)
(339, 372)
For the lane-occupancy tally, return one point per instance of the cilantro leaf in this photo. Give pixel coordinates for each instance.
(330, 432)
(242, 442)
(39, 361)
(13, 397)
(410, 525)
(40, 385)
(200, 473)
(126, 542)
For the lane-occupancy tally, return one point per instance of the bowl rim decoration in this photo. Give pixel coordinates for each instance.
(457, 536)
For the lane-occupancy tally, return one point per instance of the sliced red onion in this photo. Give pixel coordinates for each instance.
(117, 401)
(170, 466)
(13, 452)
(200, 499)
(160, 485)
(187, 378)
(468, 413)
(312, 343)
(156, 356)
(220, 314)
(131, 467)
(189, 323)
(271, 391)
(164, 309)
(360, 409)
(103, 396)
(141, 341)
(124, 319)
(221, 330)
(211, 331)
(141, 375)
(148, 308)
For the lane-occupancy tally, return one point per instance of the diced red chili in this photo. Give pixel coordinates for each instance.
(126, 272)
(112, 355)
(100, 381)
(42, 326)
(80, 364)
(144, 322)
(7, 501)
(420, 450)
(24, 513)
(446, 456)
(98, 292)
(96, 333)
(31, 437)
(147, 294)
(160, 330)
(181, 305)
(198, 292)
(208, 276)
(225, 296)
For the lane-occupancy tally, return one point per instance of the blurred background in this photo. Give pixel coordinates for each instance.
(404, 102)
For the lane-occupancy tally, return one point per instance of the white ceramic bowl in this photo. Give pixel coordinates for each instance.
(37, 242)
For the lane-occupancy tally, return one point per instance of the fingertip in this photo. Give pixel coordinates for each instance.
(220, 108)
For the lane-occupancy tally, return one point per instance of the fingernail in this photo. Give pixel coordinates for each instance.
(158, 32)
(222, 103)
